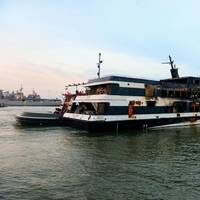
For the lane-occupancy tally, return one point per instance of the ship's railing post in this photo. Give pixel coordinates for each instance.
(117, 128)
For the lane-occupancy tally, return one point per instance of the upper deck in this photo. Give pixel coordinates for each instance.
(189, 81)
(184, 87)
(115, 79)
(118, 85)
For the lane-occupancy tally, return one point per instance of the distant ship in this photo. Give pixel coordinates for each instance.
(19, 99)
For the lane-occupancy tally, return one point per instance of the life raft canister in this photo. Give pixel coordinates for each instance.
(131, 109)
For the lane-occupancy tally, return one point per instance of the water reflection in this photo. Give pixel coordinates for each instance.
(63, 163)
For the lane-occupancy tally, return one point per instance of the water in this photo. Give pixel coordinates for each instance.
(63, 163)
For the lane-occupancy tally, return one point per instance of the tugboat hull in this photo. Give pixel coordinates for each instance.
(40, 119)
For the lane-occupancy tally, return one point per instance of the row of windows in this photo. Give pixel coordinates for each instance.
(105, 108)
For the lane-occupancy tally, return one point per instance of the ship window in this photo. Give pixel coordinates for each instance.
(177, 93)
(101, 89)
(149, 90)
(102, 108)
(164, 93)
(193, 107)
(197, 82)
(179, 106)
(183, 94)
(171, 93)
(151, 103)
(85, 108)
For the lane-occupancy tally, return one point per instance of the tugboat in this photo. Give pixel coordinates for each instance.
(45, 119)
(115, 103)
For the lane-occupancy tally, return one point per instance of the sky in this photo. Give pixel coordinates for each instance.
(48, 44)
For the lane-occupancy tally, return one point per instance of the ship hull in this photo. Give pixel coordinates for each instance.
(131, 125)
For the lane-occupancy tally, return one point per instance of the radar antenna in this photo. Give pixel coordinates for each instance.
(174, 69)
(99, 65)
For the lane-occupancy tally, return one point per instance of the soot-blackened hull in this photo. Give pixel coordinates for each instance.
(100, 126)
(40, 119)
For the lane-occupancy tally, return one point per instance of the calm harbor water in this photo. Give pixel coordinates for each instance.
(63, 163)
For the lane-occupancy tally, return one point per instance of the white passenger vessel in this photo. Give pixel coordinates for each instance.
(120, 103)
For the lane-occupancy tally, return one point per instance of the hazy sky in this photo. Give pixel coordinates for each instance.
(46, 44)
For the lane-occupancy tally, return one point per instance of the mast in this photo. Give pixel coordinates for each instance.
(174, 69)
(21, 88)
(99, 65)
